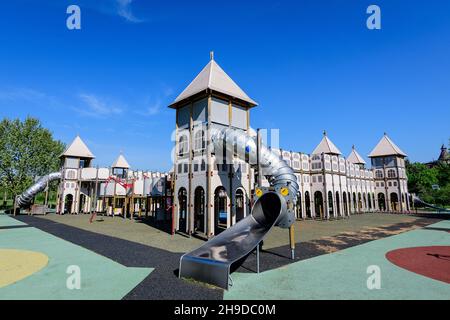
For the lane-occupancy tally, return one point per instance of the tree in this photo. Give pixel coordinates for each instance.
(422, 178)
(27, 150)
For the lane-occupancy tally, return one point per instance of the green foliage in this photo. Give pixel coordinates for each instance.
(27, 150)
(421, 178)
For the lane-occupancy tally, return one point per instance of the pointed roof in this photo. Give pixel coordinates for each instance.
(326, 146)
(386, 148)
(78, 149)
(444, 155)
(355, 158)
(121, 162)
(214, 78)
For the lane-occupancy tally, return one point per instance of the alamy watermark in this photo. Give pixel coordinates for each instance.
(73, 21)
(374, 20)
(374, 280)
(73, 281)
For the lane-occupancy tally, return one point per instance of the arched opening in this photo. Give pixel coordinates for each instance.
(381, 202)
(183, 146)
(298, 209)
(240, 205)
(355, 207)
(318, 204)
(199, 141)
(330, 204)
(394, 201)
(220, 210)
(68, 201)
(369, 201)
(374, 201)
(365, 202)
(359, 202)
(344, 198)
(182, 210)
(82, 203)
(307, 205)
(338, 204)
(199, 210)
(349, 203)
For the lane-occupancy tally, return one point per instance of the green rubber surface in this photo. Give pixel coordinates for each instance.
(101, 278)
(7, 221)
(343, 274)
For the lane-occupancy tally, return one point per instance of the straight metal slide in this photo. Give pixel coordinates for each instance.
(211, 263)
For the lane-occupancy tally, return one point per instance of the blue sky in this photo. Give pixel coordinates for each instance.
(311, 65)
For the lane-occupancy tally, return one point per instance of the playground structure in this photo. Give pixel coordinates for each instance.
(274, 206)
(213, 193)
(420, 202)
(225, 185)
(110, 191)
(208, 196)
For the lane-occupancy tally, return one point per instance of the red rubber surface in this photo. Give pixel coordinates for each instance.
(431, 262)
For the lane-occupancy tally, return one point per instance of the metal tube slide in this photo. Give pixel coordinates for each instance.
(419, 201)
(25, 198)
(211, 263)
(278, 173)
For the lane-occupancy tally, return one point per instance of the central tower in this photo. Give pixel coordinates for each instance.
(212, 191)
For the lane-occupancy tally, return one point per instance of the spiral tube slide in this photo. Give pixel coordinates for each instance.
(25, 198)
(211, 263)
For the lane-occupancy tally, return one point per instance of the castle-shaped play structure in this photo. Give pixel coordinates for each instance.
(225, 184)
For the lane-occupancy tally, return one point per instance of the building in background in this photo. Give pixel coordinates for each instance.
(444, 157)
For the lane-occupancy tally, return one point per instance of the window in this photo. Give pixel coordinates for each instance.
(70, 174)
(203, 166)
(319, 179)
(84, 164)
(316, 165)
(305, 166)
(391, 173)
(186, 168)
(379, 174)
(180, 168)
(296, 164)
(395, 183)
(182, 146)
(199, 141)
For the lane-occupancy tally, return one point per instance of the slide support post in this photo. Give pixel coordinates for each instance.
(292, 241)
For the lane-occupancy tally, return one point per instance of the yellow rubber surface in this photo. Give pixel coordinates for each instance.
(16, 265)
